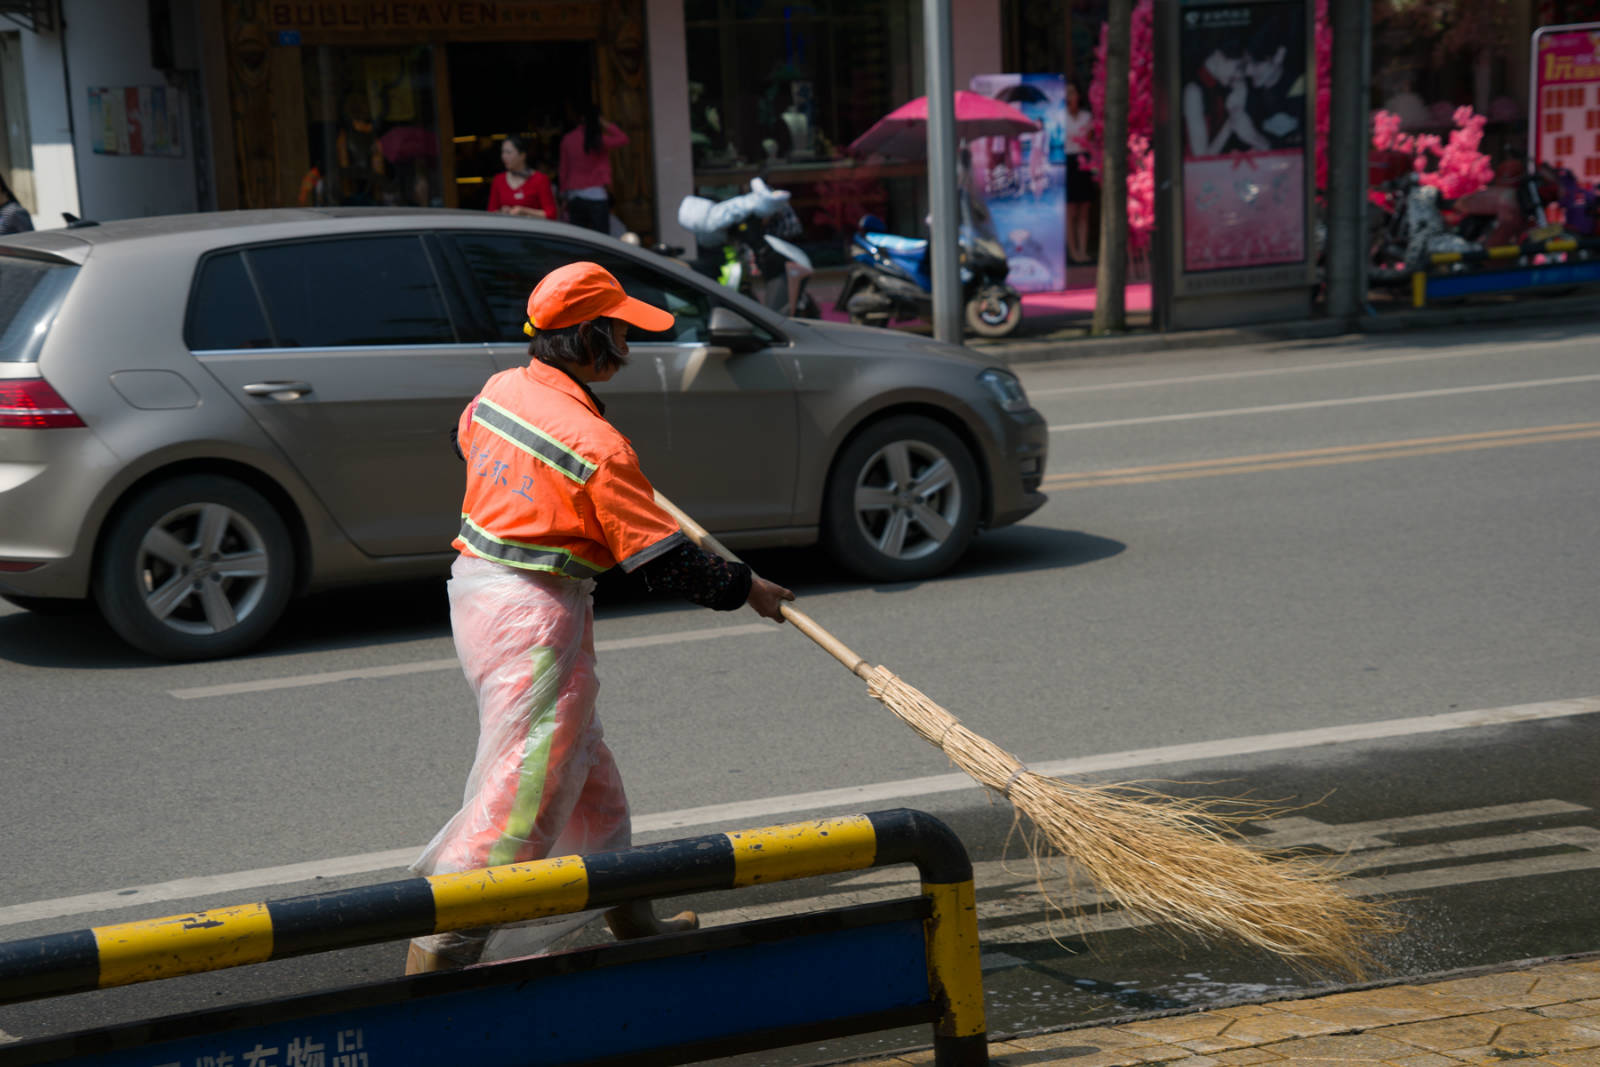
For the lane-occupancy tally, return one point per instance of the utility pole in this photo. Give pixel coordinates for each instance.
(939, 83)
(1351, 23)
(1110, 310)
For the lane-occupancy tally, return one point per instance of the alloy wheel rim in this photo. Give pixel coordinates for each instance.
(202, 569)
(995, 310)
(907, 500)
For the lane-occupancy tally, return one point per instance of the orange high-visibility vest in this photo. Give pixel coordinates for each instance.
(551, 485)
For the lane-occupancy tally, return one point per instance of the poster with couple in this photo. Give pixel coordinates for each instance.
(1024, 179)
(1244, 109)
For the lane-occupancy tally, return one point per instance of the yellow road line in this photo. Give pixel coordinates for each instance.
(1323, 457)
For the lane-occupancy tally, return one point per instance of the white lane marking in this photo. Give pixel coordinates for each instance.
(1223, 376)
(857, 797)
(1008, 889)
(263, 685)
(1307, 405)
(1292, 830)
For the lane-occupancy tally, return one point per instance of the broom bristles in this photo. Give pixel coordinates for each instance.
(1175, 861)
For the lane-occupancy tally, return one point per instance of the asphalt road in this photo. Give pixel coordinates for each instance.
(1240, 545)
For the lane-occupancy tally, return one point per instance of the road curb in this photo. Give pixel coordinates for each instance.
(1429, 978)
(1146, 341)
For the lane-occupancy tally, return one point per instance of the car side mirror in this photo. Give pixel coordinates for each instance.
(733, 331)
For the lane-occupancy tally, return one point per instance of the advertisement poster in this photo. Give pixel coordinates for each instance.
(1566, 98)
(1244, 111)
(141, 120)
(1024, 179)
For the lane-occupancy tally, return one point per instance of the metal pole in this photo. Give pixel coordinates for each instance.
(1351, 22)
(939, 84)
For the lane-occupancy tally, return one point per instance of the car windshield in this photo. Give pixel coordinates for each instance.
(31, 292)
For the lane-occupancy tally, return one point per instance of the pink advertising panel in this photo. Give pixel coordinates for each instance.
(1566, 98)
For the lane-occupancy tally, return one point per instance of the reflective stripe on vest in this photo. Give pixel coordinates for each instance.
(532, 440)
(524, 555)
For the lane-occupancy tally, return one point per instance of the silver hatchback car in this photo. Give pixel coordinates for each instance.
(202, 416)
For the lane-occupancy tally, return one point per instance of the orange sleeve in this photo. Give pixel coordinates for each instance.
(636, 528)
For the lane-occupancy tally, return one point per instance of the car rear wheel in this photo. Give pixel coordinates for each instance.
(903, 499)
(195, 568)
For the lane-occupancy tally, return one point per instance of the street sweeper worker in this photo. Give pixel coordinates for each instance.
(554, 498)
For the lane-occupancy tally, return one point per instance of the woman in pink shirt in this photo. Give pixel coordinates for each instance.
(585, 170)
(519, 189)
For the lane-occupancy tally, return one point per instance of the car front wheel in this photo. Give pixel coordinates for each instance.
(903, 499)
(195, 568)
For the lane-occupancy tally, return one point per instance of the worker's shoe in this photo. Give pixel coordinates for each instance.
(635, 920)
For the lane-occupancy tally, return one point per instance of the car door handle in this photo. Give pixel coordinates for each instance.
(279, 390)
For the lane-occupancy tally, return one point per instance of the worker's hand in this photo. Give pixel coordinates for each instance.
(767, 597)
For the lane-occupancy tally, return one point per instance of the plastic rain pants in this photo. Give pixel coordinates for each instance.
(543, 783)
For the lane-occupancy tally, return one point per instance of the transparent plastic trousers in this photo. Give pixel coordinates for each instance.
(543, 782)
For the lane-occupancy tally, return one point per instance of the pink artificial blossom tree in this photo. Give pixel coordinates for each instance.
(1455, 167)
(1324, 44)
(1141, 122)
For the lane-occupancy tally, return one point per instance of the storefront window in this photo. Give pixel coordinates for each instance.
(780, 89)
(372, 124)
(1430, 57)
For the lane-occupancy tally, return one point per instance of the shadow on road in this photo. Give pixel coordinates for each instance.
(403, 612)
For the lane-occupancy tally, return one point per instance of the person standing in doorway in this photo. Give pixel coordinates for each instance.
(1080, 183)
(585, 170)
(519, 189)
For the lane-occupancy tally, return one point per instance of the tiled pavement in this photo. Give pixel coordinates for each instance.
(1547, 1013)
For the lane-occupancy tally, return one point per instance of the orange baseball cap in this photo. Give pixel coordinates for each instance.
(579, 292)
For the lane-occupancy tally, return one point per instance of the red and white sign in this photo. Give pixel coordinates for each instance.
(1566, 98)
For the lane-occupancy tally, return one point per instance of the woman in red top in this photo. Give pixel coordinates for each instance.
(520, 190)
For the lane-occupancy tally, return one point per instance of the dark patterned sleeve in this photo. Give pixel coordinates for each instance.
(698, 576)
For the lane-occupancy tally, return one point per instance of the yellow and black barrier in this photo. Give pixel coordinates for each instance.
(1426, 286)
(667, 999)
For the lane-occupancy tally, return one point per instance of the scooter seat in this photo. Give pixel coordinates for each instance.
(896, 245)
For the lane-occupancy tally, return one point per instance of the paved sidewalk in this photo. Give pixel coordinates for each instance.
(1531, 311)
(1543, 1013)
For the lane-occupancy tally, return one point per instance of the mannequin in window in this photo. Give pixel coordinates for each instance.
(797, 118)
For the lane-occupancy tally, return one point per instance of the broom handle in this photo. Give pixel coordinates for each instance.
(803, 622)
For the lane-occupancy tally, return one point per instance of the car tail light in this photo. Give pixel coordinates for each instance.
(31, 404)
(17, 566)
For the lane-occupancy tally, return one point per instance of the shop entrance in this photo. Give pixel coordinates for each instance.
(531, 89)
(398, 102)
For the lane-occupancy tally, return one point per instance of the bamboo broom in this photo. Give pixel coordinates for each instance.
(1174, 861)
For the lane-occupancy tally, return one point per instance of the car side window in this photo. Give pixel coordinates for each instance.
(690, 306)
(508, 266)
(373, 290)
(224, 311)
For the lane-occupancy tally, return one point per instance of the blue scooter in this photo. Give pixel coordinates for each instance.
(890, 277)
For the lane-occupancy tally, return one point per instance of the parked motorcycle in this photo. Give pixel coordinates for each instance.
(741, 242)
(890, 277)
(1414, 222)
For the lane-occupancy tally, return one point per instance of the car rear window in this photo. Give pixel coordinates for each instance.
(225, 312)
(31, 291)
(351, 291)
